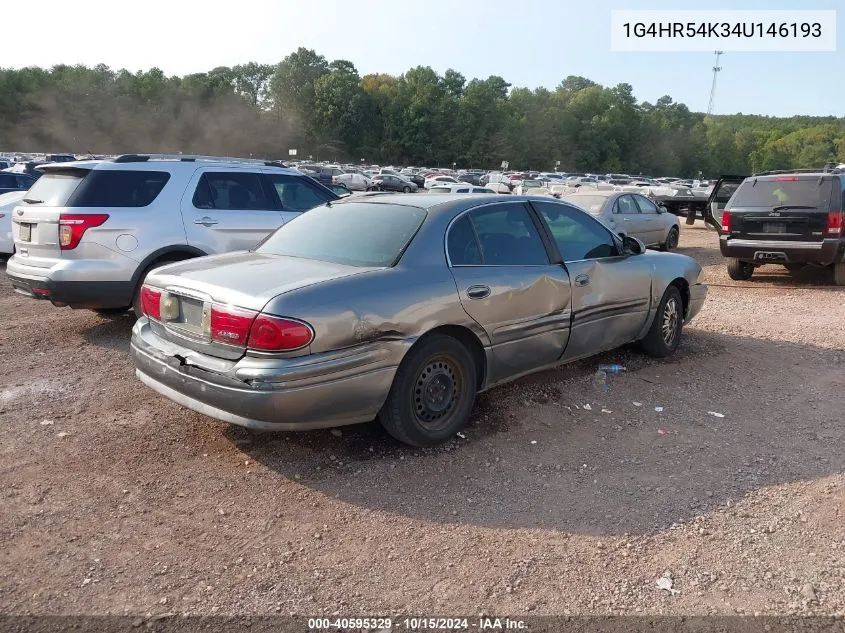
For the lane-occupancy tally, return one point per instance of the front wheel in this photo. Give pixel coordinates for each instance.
(406, 190)
(739, 270)
(671, 240)
(664, 335)
(432, 394)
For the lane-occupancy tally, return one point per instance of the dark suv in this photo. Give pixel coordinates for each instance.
(794, 218)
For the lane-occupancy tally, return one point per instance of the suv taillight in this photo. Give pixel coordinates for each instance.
(835, 223)
(73, 225)
(726, 222)
(257, 330)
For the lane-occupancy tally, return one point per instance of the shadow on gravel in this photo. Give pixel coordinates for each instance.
(530, 459)
(111, 331)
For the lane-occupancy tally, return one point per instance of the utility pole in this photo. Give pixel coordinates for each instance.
(716, 69)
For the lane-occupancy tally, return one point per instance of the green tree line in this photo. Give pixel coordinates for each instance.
(329, 111)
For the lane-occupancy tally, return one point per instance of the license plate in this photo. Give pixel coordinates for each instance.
(774, 227)
(25, 232)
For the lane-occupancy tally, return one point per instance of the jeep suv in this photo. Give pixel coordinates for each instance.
(88, 232)
(793, 218)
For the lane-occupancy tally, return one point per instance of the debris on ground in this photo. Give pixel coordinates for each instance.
(716, 414)
(600, 381)
(666, 584)
(638, 404)
(658, 409)
(461, 435)
(588, 407)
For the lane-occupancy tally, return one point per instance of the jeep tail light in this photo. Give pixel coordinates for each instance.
(835, 223)
(151, 302)
(277, 334)
(726, 221)
(73, 225)
(230, 325)
(786, 179)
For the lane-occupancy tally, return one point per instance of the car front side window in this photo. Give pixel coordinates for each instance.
(295, 193)
(577, 235)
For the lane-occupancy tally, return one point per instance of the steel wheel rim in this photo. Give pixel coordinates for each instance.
(670, 321)
(436, 392)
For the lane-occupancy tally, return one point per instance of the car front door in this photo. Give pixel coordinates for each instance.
(654, 229)
(508, 285)
(611, 293)
(228, 210)
(295, 194)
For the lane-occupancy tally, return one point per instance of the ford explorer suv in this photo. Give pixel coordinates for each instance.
(791, 218)
(88, 232)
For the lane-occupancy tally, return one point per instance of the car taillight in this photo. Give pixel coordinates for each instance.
(73, 225)
(786, 179)
(277, 334)
(726, 221)
(151, 302)
(835, 223)
(230, 325)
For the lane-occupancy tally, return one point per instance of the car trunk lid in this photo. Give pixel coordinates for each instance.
(240, 284)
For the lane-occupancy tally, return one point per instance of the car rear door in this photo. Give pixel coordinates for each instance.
(293, 195)
(611, 293)
(228, 209)
(508, 285)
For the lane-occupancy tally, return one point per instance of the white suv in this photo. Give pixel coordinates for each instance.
(88, 232)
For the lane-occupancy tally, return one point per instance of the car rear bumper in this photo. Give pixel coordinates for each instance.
(824, 252)
(285, 394)
(697, 295)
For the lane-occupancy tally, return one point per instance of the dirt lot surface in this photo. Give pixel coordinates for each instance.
(117, 501)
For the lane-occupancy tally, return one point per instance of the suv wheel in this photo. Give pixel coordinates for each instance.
(839, 274)
(739, 270)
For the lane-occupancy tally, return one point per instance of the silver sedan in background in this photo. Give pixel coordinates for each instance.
(631, 214)
(402, 308)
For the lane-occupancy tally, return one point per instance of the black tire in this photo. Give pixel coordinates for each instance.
(136, 298)
(443, 367)
(839, 274)
(739, 270)
(664, 335)
(671, 240)
(406, 190)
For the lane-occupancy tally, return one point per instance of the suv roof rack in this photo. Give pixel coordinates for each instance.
(191, 158)
(828, 168)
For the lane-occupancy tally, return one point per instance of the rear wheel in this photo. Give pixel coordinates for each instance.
(739, 270)
(432, 394)
(664, 335)
(671, 240)
(839, 274)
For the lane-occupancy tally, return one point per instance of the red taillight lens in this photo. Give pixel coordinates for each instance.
(277, 334)
(835, 223)
(726, 221)
(786, 179)
(151, 302)
(231, 325)
(73, 225)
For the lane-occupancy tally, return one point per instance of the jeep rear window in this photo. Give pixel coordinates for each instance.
(805, 192)
(353, 234)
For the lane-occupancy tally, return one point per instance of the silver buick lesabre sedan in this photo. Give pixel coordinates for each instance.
(403, 309)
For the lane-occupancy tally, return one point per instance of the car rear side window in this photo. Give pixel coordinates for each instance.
(241, 191)
(785, 191)
(462, 244)
(117, 188)
(354, 234)
(508, 236)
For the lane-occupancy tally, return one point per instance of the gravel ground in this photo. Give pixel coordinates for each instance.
(559, 499)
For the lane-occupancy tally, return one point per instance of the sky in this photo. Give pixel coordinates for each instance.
(530, 44)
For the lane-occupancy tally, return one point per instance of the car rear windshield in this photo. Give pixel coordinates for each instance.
(354, 234)
(97, 188)
(806, 192)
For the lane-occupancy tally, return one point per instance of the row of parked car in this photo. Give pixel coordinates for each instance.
(266, 299)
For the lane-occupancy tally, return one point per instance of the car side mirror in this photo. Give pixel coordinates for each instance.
(632, 246)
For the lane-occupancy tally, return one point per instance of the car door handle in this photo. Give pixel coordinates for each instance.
(627, 219)
(582, 280)
(478, 292)
(206, 221)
